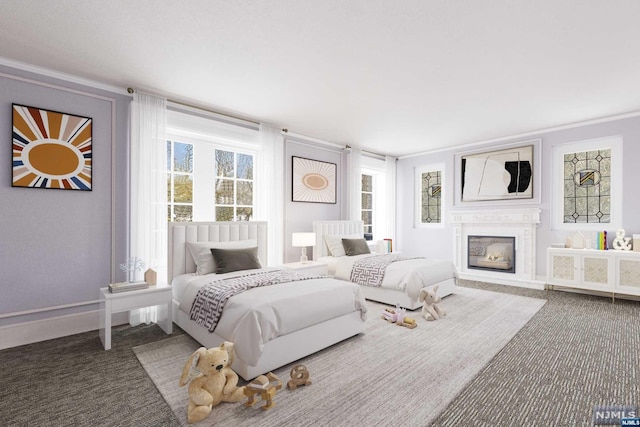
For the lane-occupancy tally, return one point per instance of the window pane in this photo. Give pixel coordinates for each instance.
(224, 163)
(168, 155)
(245, 193)
(366, 217)
(183, 157)
(367, 201)
(224, 192)
(182, 189)
(169, 188)
(245, 166)
(244, 214)
(183, 213)
(224, 214)
(367, 183)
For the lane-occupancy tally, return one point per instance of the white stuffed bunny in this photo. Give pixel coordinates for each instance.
(430, 310)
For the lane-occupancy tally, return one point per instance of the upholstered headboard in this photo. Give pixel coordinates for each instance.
(333, 228)
(180, 261)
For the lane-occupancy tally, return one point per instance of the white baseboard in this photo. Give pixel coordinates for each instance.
(54, 327)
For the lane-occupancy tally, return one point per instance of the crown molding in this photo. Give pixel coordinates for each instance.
(71, 78)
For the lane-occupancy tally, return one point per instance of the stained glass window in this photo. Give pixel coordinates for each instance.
(431, 197)
(587, 187)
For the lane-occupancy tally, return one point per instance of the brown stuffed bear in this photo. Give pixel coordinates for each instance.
(215, 383)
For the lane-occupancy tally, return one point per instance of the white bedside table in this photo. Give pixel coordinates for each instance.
(110, 303)
(311, 267)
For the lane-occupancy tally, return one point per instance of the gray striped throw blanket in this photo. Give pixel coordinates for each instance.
(369, 271)
(207, 307)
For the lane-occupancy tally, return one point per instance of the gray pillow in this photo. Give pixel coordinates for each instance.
(228, 260)
(355, 247)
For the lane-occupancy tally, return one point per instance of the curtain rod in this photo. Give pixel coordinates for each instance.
(223, 116)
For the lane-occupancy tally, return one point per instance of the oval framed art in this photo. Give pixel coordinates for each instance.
(313, 181)
(51, 149)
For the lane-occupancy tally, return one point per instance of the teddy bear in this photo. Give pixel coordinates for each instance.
(430, 310)
(216, 382)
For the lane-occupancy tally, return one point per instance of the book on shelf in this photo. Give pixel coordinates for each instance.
(127, 286)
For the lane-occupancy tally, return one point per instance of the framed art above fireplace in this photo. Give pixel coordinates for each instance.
(505, 174)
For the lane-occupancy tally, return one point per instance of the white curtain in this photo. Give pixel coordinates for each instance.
(148, 174)
(354, 182)
(270, 191)
(390, 199)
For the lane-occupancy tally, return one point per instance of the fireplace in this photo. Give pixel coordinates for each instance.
(493, 253)
(518, 224)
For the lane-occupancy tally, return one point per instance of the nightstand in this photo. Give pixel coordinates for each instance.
(110, 303)
(311, 267)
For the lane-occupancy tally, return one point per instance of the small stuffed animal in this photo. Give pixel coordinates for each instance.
(430, 310)
(215, 383)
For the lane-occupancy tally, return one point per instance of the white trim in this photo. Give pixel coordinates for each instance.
(417, 180)
(53, 308)
(54, 327)
(71, 78)
(615, 143)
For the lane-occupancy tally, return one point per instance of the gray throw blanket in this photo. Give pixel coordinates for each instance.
(207, 307)
(369, 271)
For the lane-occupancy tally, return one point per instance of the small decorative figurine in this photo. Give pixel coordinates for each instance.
(620, 242)
(299, 377)
(267, 386)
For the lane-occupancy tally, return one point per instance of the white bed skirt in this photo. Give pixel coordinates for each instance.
(393, 297)
(284, 349)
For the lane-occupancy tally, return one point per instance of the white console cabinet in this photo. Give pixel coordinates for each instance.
(611, 271)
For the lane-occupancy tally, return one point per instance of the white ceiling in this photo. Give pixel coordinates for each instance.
(390, 76)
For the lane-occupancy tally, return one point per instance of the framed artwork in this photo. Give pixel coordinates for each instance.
(51, 149)
(314, 181)
(504, 174)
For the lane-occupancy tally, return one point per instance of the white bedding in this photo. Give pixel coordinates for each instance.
(408, 276)
(253, 318)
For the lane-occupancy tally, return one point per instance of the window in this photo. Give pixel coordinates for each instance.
(429, 195)
(180, 181)
(211, 167)
(367, 205)
(234, 186)
(586, 184)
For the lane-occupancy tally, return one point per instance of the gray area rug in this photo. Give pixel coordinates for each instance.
(389, 374)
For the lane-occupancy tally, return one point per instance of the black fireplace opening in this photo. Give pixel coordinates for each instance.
(493, 253)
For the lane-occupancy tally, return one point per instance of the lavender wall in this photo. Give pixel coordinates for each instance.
(438, 243)
(299, 216)
(56, 245)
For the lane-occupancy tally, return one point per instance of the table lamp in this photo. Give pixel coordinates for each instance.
(303, 240)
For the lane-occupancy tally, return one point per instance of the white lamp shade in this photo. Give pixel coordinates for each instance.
(299, 240)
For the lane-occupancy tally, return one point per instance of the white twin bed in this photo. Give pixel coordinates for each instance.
(402, 280)
(270, 325)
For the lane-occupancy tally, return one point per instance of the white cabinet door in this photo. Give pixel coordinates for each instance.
(628, 268)
(563, 268)
(597, 271)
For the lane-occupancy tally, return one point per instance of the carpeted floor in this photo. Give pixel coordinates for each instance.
(390, 372)
(576, 352)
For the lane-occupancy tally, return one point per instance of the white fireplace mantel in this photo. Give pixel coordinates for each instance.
(520, 223)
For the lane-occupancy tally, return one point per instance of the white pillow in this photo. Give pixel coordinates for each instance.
(202, 256)
(498, 252)
(334, 243)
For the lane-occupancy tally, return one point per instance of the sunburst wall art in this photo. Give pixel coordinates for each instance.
(313, 181)
(51, 149)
